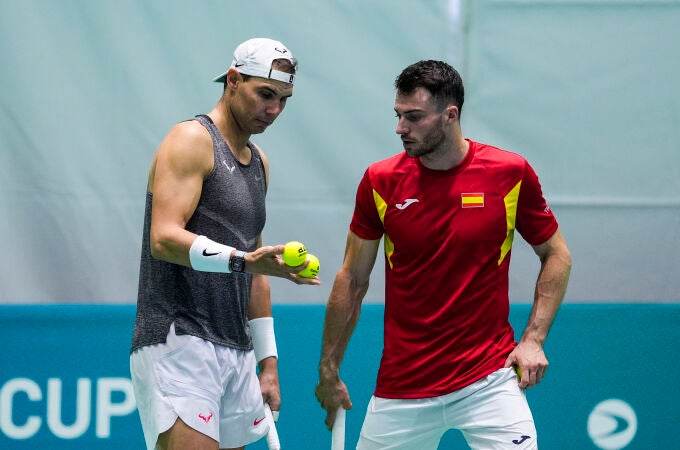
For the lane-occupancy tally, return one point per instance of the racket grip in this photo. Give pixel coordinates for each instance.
(272, 436)
(338, 431)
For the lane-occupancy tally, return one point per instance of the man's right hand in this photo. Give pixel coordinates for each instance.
(332, 393)
(267, 260)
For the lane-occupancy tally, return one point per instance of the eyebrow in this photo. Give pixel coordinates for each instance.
(409, 111)
(274, 91)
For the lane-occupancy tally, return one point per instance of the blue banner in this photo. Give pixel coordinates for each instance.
(65, 382)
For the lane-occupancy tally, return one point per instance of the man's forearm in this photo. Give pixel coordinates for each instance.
(551, 286)
(260, 304)
(342, 315)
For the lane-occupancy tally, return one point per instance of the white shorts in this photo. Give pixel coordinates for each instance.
(213, 389)
(491, 413)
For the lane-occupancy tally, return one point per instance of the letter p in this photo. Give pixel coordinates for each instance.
(106, 408)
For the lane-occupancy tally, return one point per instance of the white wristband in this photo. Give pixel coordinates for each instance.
(262, 334)
(209, 256)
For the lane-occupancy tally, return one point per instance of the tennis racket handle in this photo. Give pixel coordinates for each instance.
(338, 432)
(272, 436)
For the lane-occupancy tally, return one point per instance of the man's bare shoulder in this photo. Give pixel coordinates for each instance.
(188, 132)
(189, 144)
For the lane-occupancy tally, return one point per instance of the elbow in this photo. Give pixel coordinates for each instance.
(159, 246)
(347, 289)
(557, 254)
(156, 250)
(561, 262)
(357, 286)
(565, 257)
(568, 261)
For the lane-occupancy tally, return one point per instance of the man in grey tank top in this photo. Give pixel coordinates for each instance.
(204, 308)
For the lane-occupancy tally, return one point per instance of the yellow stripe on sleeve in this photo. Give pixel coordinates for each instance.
(381, 205)
(510, 201)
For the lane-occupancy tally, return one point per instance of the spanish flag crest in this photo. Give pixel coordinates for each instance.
(472, 199)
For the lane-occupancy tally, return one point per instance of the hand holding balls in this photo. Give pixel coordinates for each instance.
(295, 254)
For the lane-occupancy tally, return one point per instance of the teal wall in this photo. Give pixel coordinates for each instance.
(597, 353)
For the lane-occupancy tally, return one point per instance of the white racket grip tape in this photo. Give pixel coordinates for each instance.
(272, 436)
(338, 432)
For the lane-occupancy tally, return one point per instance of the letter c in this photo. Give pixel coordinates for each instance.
(7, 393)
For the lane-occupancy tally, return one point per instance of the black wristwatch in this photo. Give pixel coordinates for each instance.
(237, 262)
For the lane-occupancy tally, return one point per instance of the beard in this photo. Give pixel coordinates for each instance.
(430, 142)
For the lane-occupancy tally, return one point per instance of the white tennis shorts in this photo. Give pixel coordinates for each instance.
(213, 389)
(491, 413)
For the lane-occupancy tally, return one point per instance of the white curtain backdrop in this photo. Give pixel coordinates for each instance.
(587, 91)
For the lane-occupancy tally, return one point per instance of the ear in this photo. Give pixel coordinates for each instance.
(452, 112)
(233, 77)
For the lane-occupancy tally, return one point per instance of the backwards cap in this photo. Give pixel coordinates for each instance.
(255, 56)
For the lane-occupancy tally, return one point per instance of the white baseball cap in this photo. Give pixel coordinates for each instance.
(255, 56)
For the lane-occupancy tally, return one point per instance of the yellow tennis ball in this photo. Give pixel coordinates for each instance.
(518, 371)
(294, 253)
(312, 268)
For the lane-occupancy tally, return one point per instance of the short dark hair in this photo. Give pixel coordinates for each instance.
(439, 78)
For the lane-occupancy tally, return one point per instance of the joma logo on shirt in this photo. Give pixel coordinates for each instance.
(407, 202)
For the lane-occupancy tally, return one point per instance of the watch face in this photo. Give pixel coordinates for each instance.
(237, 262)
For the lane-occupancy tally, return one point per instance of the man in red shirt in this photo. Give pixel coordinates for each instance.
(447, 208)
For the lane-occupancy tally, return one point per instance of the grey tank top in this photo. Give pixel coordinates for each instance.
(212, 306)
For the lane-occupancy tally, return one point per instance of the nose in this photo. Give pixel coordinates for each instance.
(401, 128)
(274, 109)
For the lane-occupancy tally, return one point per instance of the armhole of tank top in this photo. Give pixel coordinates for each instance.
(256, 151)
(212, 139)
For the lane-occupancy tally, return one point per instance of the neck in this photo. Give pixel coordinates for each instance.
(447, 156)
(232, 133)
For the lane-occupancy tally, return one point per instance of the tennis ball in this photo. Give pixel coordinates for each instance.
(518, 371)
(312, 268)
(294, 253)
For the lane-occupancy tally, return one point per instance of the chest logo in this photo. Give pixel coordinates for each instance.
(472, 200)
(229, 168)
(407, 203)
